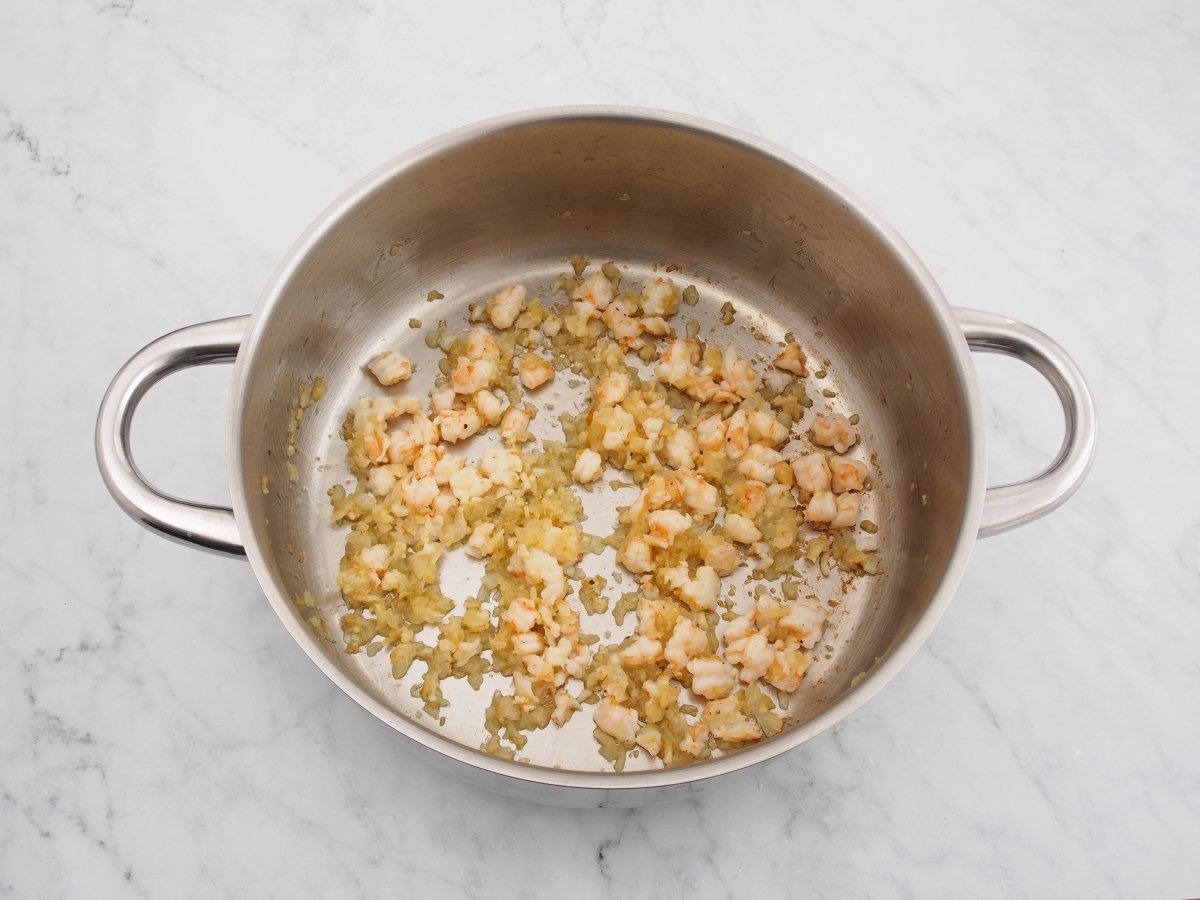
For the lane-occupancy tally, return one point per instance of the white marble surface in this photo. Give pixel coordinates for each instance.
(162, 735)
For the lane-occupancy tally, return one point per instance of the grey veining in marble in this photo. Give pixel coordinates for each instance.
(160, 735)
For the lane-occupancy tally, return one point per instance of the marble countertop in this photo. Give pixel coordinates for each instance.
(163, 736)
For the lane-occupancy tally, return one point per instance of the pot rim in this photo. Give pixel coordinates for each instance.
(878, 676)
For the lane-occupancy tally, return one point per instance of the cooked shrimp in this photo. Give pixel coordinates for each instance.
(595, 290)
(681, 449)
(471, 376)
(677, 365)
(442, 400)
(502, 467)
(833, 431)
(710, 433)
(766, 429)
(737, 435)
(660, 298)
(740, 529)
(812, 472)
(758, 463)
(821, 507)
(687, 641)
(752, 653)
(419, 494)
(847, 510)
(514, 423)
(701, 592)
(588, 466)
(740, 377)
(541, 568)
(726, 722)
(504, 307)
(616, 720)
(488, 406)
(459, 424)
(467, 484)
(636, 556)
(564, 706)
(535, 371)
(649, 738)
(712, 677)
(792, 360)
(521, 614)
(787, 668)
(381, 481)
(847, 474)
(722, 556)
(390, 367)
(611, 389)
(697, 494)
(805, 618)
(665, 524)
(642, 652)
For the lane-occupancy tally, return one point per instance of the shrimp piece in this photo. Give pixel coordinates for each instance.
(847, 510)
(446, 467)
(712, 677)
(805, 619)
(625, 330)
(812, 472)
(753, 653)
(701, 592)
(381, 481)
(521, 614)
(650, 740)
(681, 449)
(636, 556)
(419, 494)
(483, 540)
(758, 463)
(375, 558)
(737, 435)
(739, 528)
(833, 431)
(792, 360)
(739, 376)
(748, 498)
(535, 371)
(466, 484)
(642, 652)
(528, 643)
(514, 423)
(588, 466)
(655, 325)
(564, 706)
(541, 568)
(489, 407)
(471, 376)
(459, 424)
(595, 290)
(611, 389)
(847, 474)
(697, 494)
(502, 467)
(722, 556)
(677, 365)
(726, 722)
(710, 433)
(766, 429)
(660, 298)
(616, 720)
(504, 307)
(551, 325)
(665, 524)
(695, 742)
(427, 459)
(652, 427)
(821, 507)
(479, 344)
(618, 430)
(442, 400)
(390, 367)
(687, 641)
(787, 668)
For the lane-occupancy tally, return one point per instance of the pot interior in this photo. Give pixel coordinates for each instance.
(513, 203)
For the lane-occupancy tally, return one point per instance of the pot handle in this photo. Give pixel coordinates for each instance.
(197, 524)
(1016, 504)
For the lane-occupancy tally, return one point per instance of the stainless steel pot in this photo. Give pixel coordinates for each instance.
(513, 198)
